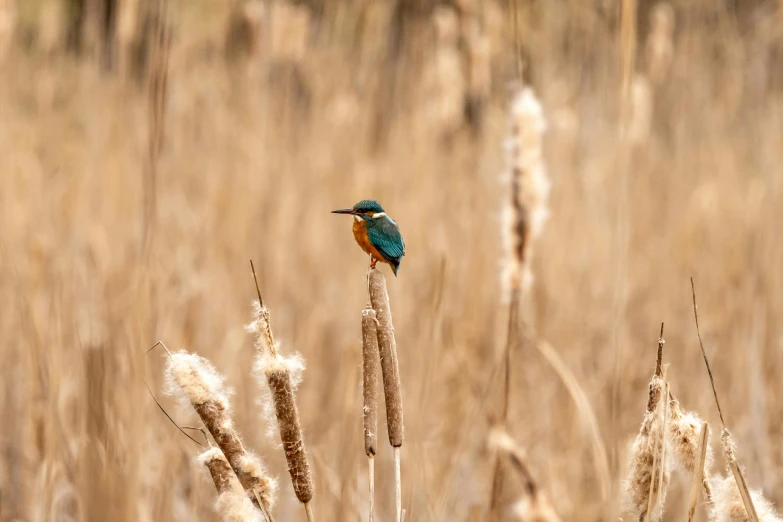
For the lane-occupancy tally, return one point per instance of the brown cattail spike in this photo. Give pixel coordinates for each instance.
(195, 379)
(222, 474)
(278, 371)
(370, 380)
(387, 346)
(232, 504)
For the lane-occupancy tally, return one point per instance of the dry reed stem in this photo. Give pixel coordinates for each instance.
(398, 482)
(699, 476)
(197, 380)
(586, 413)
(387, 345)
(371, 474)
(534, 506)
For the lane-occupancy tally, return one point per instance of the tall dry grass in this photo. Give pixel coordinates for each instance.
(252, 164)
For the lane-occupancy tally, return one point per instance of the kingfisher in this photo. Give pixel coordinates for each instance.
(376, 233)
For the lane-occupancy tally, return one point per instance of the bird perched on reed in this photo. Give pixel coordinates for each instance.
(376, 233)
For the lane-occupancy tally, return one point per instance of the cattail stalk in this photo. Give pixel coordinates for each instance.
(390, 371)
(524, 217)
(196, 380)
(282, 376)
(699, 476)
(370, 393)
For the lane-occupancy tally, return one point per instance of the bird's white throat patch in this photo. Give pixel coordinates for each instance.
(357, 218)
(379, 215)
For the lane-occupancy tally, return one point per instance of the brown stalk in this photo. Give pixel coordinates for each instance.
(387, 346)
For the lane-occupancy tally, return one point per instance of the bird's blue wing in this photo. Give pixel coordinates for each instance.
(385, 236)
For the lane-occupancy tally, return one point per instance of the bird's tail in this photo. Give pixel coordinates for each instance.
(394, 269)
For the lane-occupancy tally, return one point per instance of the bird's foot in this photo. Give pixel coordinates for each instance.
(372, 263)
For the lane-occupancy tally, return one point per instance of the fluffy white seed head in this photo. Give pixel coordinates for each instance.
(685, 433)
(527, 209)
(728, 505)
(293, 364)
(646, 454)
(194, 380)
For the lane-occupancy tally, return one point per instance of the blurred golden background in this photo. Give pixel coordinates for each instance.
(149, 149)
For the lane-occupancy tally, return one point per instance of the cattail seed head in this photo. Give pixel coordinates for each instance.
(646, 455)
(528, 207)
(282, 376)
(232, 504)
(370, 380)
(728, 505)
(194, 380)
(387, 345)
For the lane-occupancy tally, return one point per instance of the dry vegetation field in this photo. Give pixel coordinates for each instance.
(140, 171)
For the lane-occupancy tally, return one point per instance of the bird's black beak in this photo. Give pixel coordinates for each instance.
(344, 211)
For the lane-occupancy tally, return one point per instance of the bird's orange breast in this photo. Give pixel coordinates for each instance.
(360, 234)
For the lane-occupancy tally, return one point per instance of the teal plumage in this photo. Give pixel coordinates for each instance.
(385, 236)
